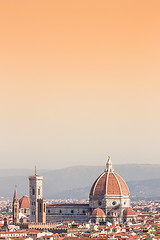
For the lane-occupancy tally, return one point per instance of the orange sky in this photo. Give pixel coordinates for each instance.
(79, 79)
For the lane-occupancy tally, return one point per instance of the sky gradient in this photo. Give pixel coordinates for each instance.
(79, 80)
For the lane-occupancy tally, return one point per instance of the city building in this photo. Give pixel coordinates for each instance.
(110, 193)
(109, 201)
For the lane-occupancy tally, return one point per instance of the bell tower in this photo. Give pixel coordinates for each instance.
(15, 208)
(35, 193)
(42, 210)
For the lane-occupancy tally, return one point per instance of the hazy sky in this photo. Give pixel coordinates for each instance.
(79, 80)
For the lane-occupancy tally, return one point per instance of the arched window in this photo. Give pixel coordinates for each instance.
(33, 191)
(40, 207)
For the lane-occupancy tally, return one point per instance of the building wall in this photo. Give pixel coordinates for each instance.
(107, 203)
(74, 212)
(24, 211)
(41, 210)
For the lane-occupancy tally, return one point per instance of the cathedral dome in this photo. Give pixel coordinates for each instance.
(97, 212)
(24, 202)
(129, 212)
(109, 183)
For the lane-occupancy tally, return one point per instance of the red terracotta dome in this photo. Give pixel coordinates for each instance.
(129, 212)
(98, 213)
(24, 202)
(109, 183)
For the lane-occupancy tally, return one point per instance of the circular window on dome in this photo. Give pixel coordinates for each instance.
(99, 203)
(114, 203)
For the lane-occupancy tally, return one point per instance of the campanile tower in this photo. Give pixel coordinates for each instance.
(35, 193)
(15, 208)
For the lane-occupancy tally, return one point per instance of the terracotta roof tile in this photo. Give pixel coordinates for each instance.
(124, 187)
(98, 212)
(110, 184)
(113, 186)
(35, 175)
(99, 186)
(129, 212)
(24, 202)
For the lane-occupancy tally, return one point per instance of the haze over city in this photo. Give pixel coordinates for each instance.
(79, 80)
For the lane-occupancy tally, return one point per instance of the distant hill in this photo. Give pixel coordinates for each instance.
(145, 189)
(75, 182)
(139, 190)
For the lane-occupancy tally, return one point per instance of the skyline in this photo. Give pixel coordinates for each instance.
(79, 81)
